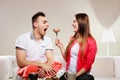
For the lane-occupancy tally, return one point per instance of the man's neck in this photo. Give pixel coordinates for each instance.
(37, 36)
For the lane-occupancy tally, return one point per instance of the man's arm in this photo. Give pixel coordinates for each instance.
(50, 61)
(50, 56)
(21, 59)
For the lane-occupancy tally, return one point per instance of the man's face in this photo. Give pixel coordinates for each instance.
(41, 25)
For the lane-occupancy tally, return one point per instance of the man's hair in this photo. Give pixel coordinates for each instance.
(35, 16)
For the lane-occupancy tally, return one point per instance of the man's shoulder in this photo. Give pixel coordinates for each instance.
(24, 36)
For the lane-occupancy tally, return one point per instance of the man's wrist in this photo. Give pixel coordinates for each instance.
(42, 64)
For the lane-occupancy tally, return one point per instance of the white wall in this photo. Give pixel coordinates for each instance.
(15, 20)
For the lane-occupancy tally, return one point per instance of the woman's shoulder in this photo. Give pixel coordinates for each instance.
(91, 40)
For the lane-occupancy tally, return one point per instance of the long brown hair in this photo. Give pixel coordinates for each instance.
(83, 32)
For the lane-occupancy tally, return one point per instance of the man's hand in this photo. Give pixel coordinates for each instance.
(41, 73)
(48, 70)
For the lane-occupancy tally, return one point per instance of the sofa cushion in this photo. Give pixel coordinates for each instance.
(117, 66)
(105, 78)
(103, 67)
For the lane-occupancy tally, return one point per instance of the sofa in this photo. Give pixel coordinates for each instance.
(104, 67)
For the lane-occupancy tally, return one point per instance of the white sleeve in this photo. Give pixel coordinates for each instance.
(21, 43)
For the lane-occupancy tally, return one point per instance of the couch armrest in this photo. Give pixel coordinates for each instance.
(7, 66)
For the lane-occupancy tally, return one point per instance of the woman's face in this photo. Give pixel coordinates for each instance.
(75, 25)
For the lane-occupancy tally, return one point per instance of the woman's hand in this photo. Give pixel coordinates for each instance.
(58, 43)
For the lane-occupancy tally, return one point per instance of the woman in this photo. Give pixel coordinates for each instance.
(81, 50)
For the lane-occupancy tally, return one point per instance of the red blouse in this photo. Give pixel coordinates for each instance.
(89, 55)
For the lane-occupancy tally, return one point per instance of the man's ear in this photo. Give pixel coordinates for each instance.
(35, 24)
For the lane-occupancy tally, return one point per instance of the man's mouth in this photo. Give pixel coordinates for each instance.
(45, 29)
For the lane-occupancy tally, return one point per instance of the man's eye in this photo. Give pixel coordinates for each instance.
(44, 22)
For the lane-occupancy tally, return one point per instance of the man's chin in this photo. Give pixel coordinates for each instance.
(42, 35)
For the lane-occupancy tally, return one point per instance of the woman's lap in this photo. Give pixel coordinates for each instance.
(81, 77)
(85, 77)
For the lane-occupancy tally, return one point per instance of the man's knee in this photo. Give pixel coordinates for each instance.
(32, 68)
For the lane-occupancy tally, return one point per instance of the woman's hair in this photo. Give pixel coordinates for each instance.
(83, 31)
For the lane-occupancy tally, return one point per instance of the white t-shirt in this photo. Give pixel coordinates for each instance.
(73, 58)
(35, 51)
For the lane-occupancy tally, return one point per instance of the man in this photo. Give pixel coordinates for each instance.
(34, 50)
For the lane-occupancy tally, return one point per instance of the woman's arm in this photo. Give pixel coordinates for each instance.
(61, 47)
(82, 71)
(89, 56)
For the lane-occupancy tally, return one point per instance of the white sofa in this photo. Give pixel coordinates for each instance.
(7, 67)
(104, 68)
